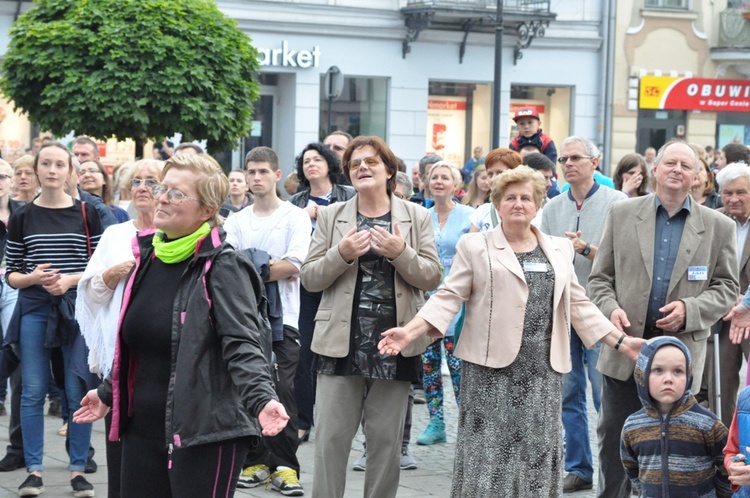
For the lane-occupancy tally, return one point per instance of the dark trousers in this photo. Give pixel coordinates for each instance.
(304, 380)
(15, 436)
(204, 471)
(619, 401)
(281, 449)
(114, 460)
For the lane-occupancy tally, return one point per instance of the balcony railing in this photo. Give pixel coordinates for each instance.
(734, 30)
(511, 6)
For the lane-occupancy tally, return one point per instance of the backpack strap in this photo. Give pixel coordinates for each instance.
(86, 227)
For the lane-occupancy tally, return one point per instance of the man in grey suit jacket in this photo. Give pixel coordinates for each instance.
(665, 266)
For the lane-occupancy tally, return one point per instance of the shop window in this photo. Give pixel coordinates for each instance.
(731, 127)
(361, 109)
(458, 119)
(668, 4)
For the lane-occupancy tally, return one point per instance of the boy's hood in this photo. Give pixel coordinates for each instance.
(643, 368)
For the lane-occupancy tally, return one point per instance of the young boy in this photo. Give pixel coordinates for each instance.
(529, 132)
(672, 421)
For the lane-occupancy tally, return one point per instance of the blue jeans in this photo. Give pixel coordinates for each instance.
(578, 458)
(8, 298)
(35, 373)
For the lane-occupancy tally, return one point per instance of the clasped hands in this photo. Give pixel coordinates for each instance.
(355, 244)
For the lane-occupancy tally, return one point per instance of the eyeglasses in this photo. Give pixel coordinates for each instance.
(137, 182)
(337, 148)
(5, 177)
(88, 172)
(369, 161)
(574, 158)
(173, 196)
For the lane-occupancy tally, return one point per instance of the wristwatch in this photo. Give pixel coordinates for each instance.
(586, 250)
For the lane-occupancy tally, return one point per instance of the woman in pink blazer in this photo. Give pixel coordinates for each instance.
(521, 297)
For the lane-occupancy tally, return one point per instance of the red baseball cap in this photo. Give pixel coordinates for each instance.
(526, 112)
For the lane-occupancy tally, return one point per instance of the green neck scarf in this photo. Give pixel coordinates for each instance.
(178, 250)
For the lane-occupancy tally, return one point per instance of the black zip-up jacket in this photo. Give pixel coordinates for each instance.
(220, 379)
(339, 193)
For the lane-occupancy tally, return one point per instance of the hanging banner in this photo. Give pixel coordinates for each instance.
(694, 94)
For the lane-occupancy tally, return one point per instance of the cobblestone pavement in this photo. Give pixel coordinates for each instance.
(432, 478)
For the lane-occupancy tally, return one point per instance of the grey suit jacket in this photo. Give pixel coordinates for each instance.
(417, 271)
(622, 274)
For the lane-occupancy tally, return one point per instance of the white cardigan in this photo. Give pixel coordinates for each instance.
(98, 306)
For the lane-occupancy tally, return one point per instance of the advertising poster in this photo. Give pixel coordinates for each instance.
(731, 134)
(446, 128)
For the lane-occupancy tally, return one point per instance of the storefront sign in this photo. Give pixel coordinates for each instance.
(446, 128)
(694, 94)
(287, 57)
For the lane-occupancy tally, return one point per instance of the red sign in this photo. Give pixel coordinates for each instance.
(701, 94)
(446, 105)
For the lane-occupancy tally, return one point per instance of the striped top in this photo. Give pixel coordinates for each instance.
(38, 235)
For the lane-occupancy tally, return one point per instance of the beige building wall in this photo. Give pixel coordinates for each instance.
(651, 41)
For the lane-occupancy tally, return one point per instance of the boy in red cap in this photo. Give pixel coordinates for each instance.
(529, 132)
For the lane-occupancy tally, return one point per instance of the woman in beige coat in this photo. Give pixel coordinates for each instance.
(521, 297)
(373, 257)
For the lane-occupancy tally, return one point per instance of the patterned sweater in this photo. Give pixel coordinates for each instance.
(677, 455)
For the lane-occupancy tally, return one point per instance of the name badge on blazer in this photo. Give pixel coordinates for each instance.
(697, 273)
(534, 267)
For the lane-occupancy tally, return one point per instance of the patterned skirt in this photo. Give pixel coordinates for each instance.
(509, 440)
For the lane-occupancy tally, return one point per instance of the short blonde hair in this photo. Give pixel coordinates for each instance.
(212, 183)
(521, 174)
(140, 165)
(25, 161)
(445, 164)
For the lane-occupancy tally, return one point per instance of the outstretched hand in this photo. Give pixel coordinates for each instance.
(273, 418)
(394, 341)
(631, 347)
(91, 410)
(740, 318)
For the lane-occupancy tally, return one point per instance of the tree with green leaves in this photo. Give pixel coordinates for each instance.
(139, 69)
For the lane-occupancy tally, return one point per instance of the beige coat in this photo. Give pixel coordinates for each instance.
(417, 271)
(487, 276)
(623, 271)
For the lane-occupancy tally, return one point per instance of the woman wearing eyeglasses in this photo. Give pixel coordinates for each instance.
(49, 243)
(102, 285)
(93, 178)
(372, 257)
(189, 384)
(321, 180)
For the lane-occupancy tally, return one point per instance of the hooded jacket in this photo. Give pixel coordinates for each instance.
(220, 380)
(677, 455)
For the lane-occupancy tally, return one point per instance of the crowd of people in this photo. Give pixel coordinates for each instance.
(216, 327)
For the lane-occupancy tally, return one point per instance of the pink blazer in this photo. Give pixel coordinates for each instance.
(487, 276)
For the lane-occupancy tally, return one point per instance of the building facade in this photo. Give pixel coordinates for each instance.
(420, 74)
(681, 69)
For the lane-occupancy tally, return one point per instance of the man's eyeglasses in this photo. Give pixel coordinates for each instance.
(574, 158)
(5, 177)
(369, 161)
(137, 182)
(173, 196)
(337, 148)
(91, 172)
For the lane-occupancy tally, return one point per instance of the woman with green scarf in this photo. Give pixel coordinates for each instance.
(190, 388)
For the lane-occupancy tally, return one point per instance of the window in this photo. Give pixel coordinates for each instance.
(668, 4)
(361, 109)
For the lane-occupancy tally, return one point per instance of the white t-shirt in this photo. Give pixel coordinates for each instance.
(284, 234)
(482, 217)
